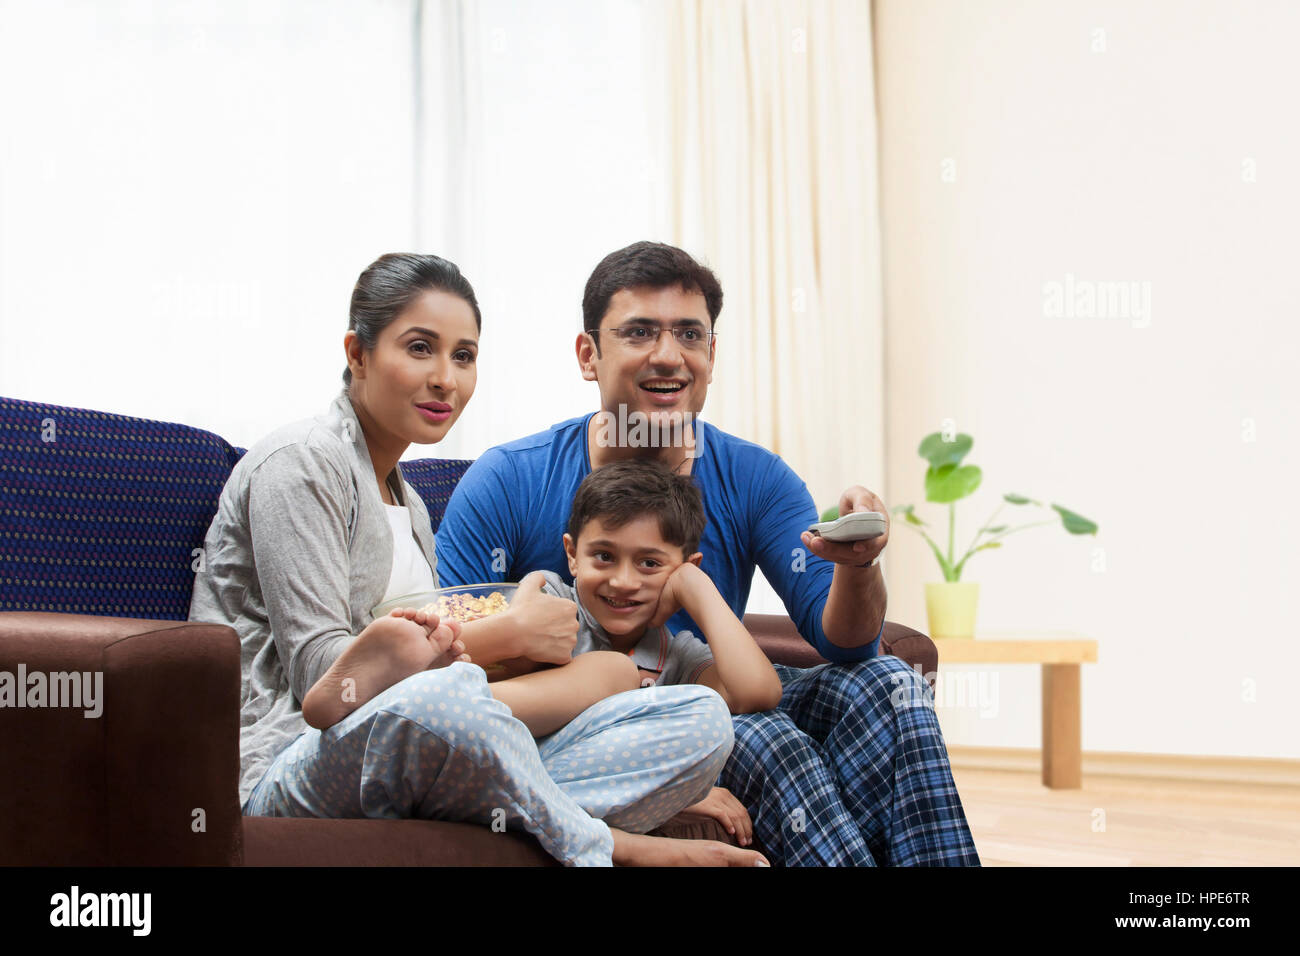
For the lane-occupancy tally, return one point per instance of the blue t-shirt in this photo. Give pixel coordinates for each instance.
(508, 514)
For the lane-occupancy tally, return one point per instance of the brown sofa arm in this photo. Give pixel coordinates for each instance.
(782, 643)
(122, 788)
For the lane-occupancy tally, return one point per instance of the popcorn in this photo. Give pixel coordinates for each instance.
(467, 607)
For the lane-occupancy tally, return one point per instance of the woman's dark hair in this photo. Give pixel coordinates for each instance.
(625, 490)
(391, 283)
(653, 265)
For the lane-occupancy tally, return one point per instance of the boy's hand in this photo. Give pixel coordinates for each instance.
(676, 592)
(549, 624)
(721, 805)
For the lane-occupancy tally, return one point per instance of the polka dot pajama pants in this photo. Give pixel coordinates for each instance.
(438, 746)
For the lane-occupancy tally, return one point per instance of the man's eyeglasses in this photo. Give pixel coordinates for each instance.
(643, 338)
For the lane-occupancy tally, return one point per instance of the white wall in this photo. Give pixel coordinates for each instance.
(1167, 158)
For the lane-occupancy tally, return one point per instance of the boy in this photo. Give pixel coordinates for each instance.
(631, 542)
(631, 539)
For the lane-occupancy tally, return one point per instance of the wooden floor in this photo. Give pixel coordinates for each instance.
(1016, 821)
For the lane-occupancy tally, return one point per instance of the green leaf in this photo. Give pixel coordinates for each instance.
(950, 483)
(1016, 499)
(939, 452)
(996, 529)
(1075, 523)
(988, 544)
(831, 514)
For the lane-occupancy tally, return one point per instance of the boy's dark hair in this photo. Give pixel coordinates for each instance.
(626, 490)
(391, 283)
(653, 265)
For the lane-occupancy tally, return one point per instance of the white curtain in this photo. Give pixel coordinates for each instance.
(772, 154)
(538, 158)
(188, 191)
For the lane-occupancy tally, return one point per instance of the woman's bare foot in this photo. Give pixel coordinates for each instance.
(637, 849)
(390, 649)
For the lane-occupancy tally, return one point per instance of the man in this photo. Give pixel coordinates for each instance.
(849, 769)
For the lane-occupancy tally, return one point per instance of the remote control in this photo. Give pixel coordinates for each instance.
(854, 526)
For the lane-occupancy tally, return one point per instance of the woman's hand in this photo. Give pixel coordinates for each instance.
(547, 625)
(721, 805)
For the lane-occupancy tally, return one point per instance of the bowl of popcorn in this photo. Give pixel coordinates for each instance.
(464, 603)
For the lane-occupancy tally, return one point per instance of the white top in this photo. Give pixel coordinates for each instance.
(411, 572)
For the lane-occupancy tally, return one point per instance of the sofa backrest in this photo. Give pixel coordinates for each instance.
(434, 479)
(106, 514)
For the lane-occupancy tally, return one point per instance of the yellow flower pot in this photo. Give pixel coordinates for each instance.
(950, 606)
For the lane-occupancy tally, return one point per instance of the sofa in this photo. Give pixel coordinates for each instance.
(102, 518)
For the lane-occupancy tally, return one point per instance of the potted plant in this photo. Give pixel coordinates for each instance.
(950, 604)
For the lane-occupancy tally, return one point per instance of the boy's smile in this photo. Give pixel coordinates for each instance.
(620, 574)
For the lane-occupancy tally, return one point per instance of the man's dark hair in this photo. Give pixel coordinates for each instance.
(653, 265)
(391, 283)
(625, 490)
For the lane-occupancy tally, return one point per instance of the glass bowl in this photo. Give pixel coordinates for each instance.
(464, 603)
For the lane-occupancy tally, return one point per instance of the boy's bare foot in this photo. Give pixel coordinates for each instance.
(637, 849)
(390, 649)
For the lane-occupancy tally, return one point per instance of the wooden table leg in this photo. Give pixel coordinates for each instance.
(1062, 733)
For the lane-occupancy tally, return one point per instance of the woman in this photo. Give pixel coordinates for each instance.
(316, 527)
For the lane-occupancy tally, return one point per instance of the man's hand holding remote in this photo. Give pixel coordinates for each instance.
(856, 553)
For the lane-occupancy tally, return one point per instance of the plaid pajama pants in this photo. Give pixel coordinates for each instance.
(850, 770)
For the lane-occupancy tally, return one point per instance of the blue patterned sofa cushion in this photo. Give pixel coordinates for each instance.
(434, 479)
(100, 513)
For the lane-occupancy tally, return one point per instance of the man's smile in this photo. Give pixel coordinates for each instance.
(663, 391)
(663, 385)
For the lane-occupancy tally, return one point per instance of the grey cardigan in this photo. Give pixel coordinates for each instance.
(298, 554)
